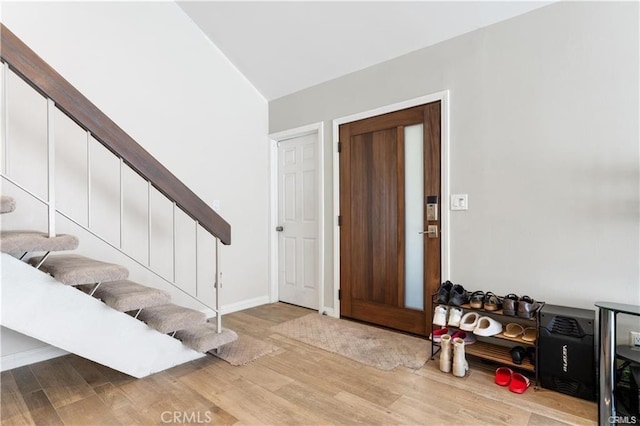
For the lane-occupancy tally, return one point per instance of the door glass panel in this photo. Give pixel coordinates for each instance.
(414, 216)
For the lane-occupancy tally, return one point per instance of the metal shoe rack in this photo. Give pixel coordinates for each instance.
(495, 349)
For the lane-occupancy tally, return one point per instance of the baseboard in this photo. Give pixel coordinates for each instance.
(238, 306)
(328, 312)
(19, 359)
(245, 304)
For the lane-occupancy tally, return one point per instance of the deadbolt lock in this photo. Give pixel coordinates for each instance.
(432, 207)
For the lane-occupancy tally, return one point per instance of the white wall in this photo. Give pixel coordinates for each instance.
(544, 139)
(153, 72)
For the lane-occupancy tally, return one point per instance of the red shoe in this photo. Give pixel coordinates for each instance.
(461, 334)
(503, 376)
(467, 337)
(519, 383)
(436, 336)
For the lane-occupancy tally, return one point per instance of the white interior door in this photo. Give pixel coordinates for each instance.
(298, 243)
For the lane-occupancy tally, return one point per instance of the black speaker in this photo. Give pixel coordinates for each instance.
(634, 397)
(567, 351)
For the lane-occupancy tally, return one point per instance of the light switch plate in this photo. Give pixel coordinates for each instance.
(460, 202)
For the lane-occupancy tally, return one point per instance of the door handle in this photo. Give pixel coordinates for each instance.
(279, 228)
(432, 231)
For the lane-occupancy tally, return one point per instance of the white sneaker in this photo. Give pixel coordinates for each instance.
(440, 316)
(454, 317)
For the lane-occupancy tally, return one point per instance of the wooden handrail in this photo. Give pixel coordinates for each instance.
(36, 72)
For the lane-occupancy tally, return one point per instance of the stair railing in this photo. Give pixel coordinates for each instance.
(59, 93)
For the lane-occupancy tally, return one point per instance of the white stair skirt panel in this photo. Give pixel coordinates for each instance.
(35, 304)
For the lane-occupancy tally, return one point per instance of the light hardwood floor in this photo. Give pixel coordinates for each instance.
(298, 384)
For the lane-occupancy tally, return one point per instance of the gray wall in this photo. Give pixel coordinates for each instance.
(544, 139)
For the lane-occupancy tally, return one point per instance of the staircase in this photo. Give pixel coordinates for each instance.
(83, 305)
(150, 332)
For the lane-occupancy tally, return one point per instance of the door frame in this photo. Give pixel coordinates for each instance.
(274, 138)
(443, 97)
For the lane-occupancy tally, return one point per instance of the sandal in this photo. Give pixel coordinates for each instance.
(519, 383)
(477, 298)
(492, 302)
(503, 376)
(529, 334)
(436, 336)
(513, 330)
(468, 338)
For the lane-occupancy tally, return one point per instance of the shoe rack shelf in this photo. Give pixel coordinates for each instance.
(499, 313)
(497, 354)
(496, 348)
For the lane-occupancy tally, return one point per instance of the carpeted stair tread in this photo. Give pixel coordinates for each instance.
(168, 318)
(30, 241)
(7, 204)
(73, 269)
(204, 337)
(127, 296)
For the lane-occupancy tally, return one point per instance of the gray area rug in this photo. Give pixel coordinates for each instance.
(372, 346)
(244, 350)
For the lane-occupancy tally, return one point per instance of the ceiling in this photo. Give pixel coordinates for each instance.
(284, 47)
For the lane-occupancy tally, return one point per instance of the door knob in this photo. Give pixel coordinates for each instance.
(279, 228)
(432, 231)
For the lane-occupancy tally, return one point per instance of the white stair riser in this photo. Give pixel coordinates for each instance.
(36, 305)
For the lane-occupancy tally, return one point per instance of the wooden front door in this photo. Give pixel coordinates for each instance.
(373, 232)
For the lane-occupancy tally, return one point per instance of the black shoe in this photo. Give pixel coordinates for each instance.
(442, 295)
(458, 295)
(517, 354)
(531, 353)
